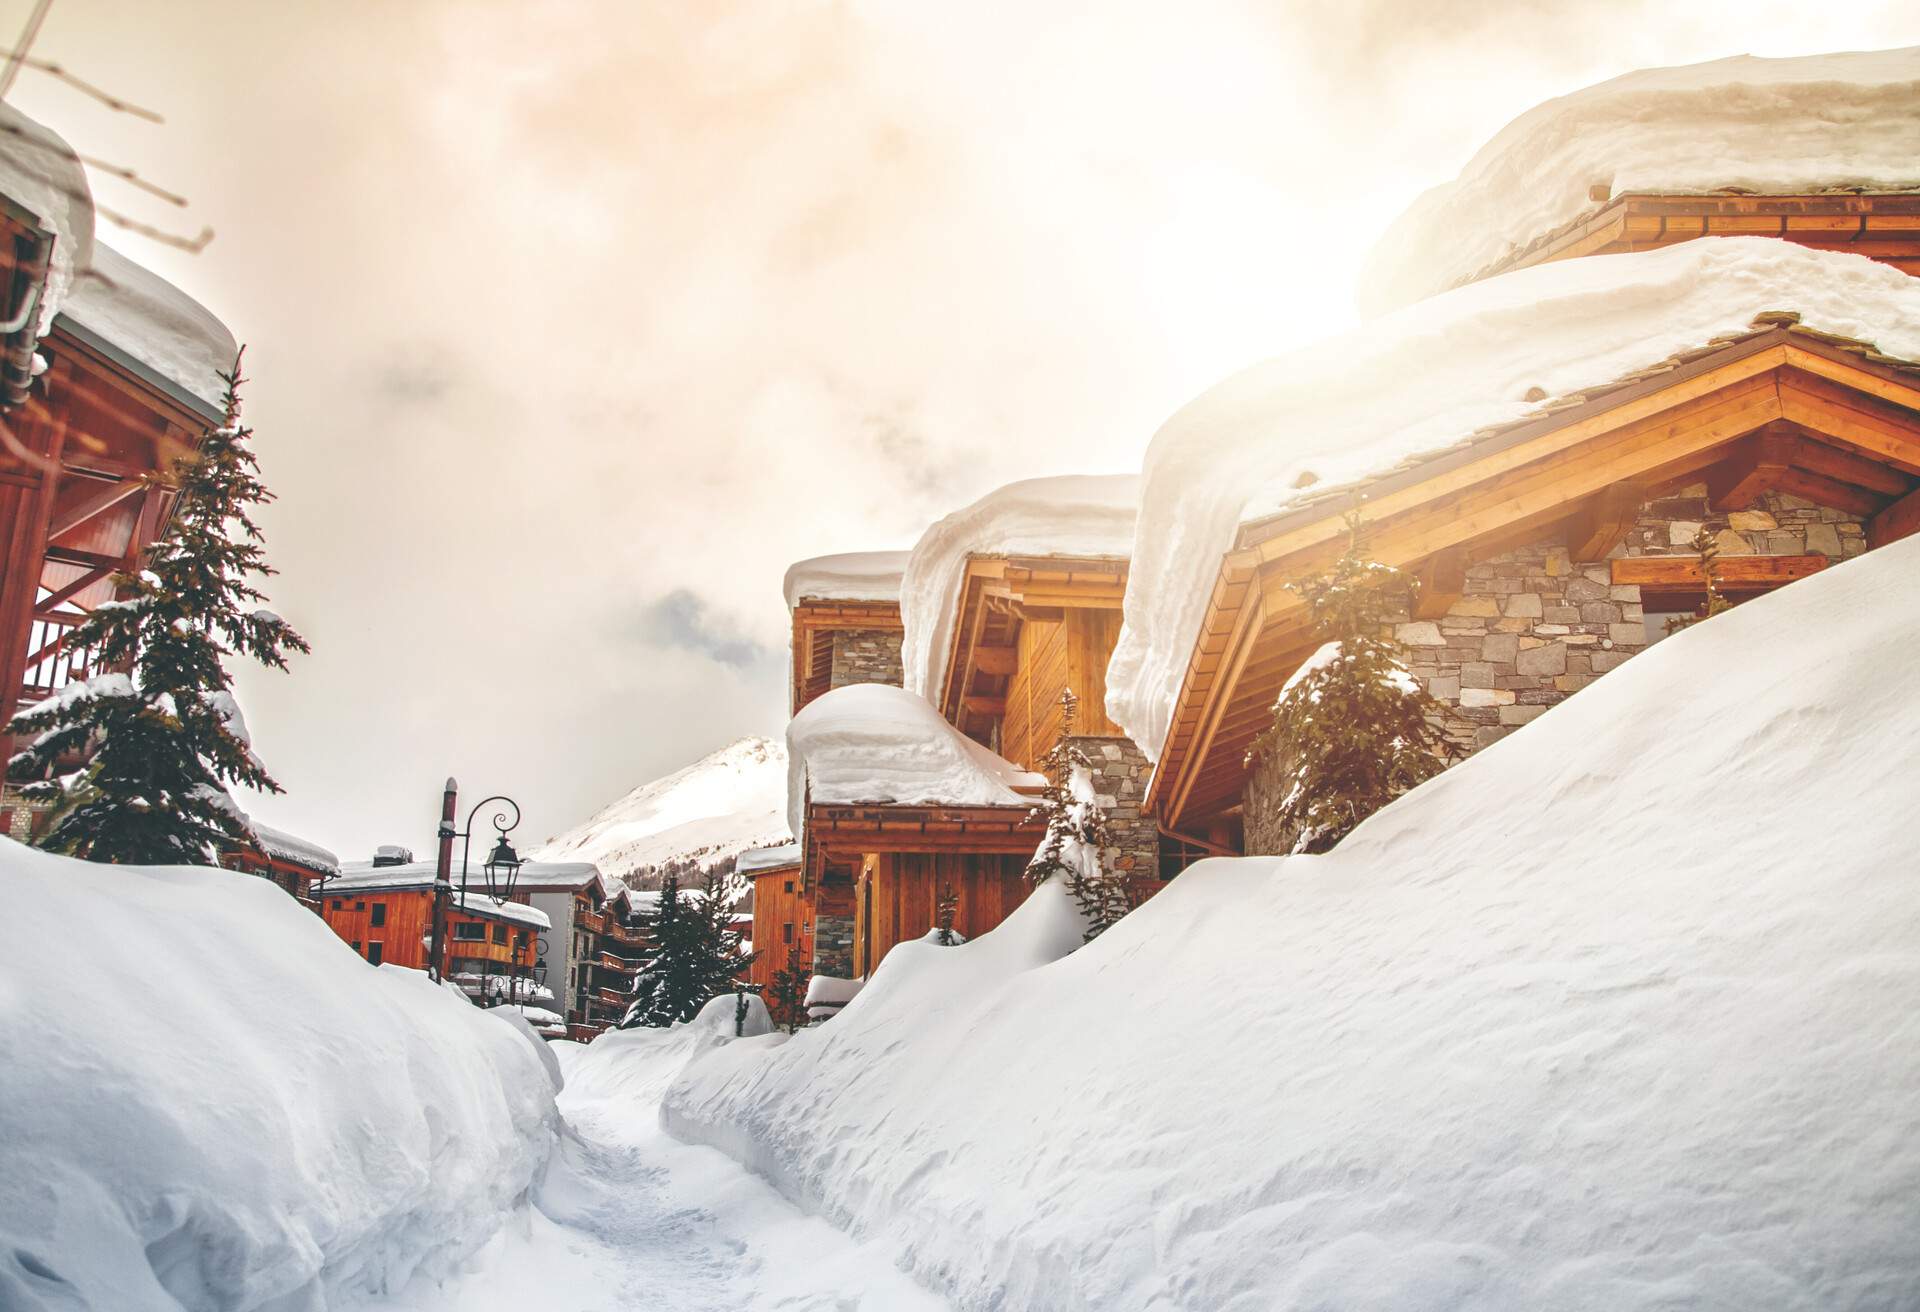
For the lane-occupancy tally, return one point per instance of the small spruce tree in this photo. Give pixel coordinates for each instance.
(787, 996)
(946, 906)
(166, 737)
(1076, 843)
(697, 953)
(1350, 730)
(1707, 548)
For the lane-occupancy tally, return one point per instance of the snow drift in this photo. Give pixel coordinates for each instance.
(868, 742)
(1839, 122)
(1074, 515)
(1623, 1012)
(209, 1101)
(1324, 417)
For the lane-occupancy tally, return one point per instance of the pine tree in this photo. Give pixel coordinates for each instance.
(946, 906)
(787, 996)
(1707, 548)
(1077, 842)
(1350, 730)
(166, 735)
(697, 953)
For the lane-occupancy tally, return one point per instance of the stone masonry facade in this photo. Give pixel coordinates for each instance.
(866, 656)
(833, 946)
(1120, 773)
(1534, 626)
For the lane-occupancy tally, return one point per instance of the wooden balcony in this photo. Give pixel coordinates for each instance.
(612, 961)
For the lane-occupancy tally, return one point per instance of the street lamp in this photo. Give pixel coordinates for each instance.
(502, 867)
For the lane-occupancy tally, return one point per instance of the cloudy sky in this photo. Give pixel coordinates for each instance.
(572, 324)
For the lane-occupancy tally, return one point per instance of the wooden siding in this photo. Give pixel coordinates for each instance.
(782, 924)
(1070, 652)
(897, 892)
(407, 923)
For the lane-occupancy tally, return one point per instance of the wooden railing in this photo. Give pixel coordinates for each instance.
(51, 666)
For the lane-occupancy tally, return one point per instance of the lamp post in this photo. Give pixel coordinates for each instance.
(502, 866)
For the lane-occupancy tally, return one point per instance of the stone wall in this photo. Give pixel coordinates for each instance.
(866, 656)
(833, 946)
(1534, 626)
(1120, 773)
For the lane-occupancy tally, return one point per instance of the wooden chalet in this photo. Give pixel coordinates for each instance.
(782, 931)
(108, 376)
(293, 863)
(1552, 548)
(386, 915)
(845, 614)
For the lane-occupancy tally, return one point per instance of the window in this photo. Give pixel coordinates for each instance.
(789, 886)
(356, 945)
(339, 904)
(500, 934)
(471, 930)
(520, 939)
(379, 915)
(359, 906)
(786, 932)
(375, 951)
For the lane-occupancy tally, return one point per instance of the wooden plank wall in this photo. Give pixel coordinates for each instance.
(409, 921)
(782, 925)
(899, 890)
(1053, 655)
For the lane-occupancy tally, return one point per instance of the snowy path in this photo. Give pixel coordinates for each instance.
(631, 1220)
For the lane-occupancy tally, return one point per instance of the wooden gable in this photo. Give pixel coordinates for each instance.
(815, 622)
(1778, 408)
(1027, 627)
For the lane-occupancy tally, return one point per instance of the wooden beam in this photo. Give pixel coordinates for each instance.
(1756, 467)
(1844, 466)
(1830, 492)
(1899, 520)
(91, 559)
(46, 607)
(68, 518)
(1682, 573)
(1603, 520)
(996, 660)
(1443, 579)
(975, 703)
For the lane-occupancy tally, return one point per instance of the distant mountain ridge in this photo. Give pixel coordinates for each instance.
(711, 811)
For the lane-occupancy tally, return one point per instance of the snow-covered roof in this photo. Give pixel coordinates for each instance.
(768, 858)
(1075, 515)
(1816, 123)
(1422, 380)
(40, 173)
(868, 742)
(852, 576)
(155, 326)
(358, 878)
(282, 846)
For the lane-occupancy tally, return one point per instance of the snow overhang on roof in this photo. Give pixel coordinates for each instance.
(42, 180)
(852, 576)
(1819, 123)
(779, 857)
(154, 329)
(1247, 481)
(1081, 516)
(294, 850)
(870, 743)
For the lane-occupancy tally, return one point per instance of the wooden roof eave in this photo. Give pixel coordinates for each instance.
(1248, 600)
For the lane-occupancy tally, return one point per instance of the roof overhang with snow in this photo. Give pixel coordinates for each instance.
(839, 834)
(1780, 407)
(1880, 226)
(815, 622)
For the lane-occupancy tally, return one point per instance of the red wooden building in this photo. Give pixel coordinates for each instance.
(108, 376)
(386, 914)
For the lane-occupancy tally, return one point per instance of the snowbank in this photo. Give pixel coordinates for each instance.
(1619, 1013)
(853, 576)
(277, 1125)
(155, 323)
(1423, 379)
(1083, 515)
(868, 742)
(40, 173)
(1780, 126)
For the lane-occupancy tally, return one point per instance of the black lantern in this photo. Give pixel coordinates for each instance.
(503, 868)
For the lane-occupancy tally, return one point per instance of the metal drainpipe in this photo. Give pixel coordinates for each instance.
(16, 365)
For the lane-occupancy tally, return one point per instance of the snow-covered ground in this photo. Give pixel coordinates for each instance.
(632, 1220)
(207, 1100)
(719, 806)
(1621, 1013)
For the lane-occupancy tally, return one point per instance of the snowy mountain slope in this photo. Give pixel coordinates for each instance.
(260, 1120)
(1623, 1012)
(718, 807)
